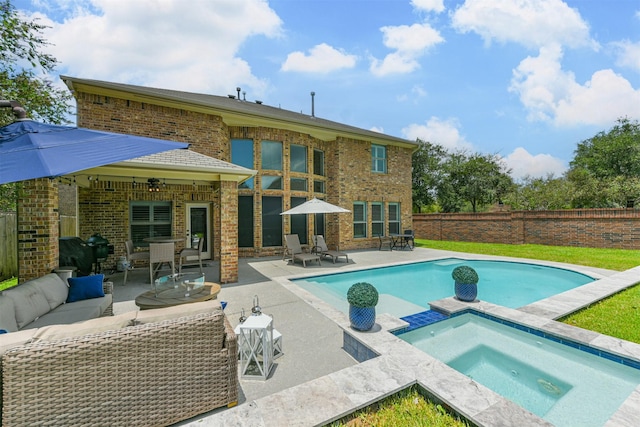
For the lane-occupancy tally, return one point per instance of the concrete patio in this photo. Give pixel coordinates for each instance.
(317, 381)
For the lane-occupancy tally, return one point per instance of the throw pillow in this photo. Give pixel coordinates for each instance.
(81, 288)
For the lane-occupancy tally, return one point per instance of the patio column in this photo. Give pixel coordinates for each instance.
(38, 228)
(228, 231)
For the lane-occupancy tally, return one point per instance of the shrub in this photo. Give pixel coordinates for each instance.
(362, 294)
(464, 274)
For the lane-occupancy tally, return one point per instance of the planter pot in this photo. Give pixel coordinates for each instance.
(362, 318)
(466, 291)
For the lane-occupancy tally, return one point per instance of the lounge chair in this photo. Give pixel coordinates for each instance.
(294, 249)
(323, 250)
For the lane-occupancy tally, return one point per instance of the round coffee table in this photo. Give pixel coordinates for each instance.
(171, 297)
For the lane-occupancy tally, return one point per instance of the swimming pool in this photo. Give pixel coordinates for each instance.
(559, 382)
(407, 289)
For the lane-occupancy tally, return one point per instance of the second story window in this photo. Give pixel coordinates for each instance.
(318, 162)
(378, 158)
(242, 155)
(272, 155)
(298, 160)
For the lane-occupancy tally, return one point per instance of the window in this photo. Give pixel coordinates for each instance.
(271, 182)
(378, 158)
(149, 219)
(245, 221)
(298, 184)
(242, 155)
(299, 222)
(318, 187)
(298, 160)
(377, 219)
(318, 162)
(394, 218)
(318, 224)
(272, 155)
(271, 221)
(359, 219)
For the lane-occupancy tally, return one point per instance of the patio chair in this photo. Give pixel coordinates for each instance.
(160, 253)
(408, 239)
(324, 251)
(189, 252)
(385, 241)
(132, 255)
(295, 250)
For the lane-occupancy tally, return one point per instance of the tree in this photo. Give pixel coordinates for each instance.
(477, 179)
(541, 194)
(427, 169)
(22, 42)
(606, 168)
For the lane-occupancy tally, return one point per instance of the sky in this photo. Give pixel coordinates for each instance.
(526, 80)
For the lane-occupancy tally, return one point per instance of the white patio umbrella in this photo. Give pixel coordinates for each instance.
(315, 206)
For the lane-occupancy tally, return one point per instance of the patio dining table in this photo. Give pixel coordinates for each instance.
(401, 241)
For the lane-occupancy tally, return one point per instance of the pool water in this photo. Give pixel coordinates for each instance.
(562, 384)
(407, 289)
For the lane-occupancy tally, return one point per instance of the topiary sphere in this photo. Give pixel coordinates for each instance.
(362, 295)
(464, 274)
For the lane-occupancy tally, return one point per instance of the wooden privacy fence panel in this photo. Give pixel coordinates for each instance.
(8, 246)
(596, 228)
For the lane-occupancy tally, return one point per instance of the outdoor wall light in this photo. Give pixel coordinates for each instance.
(154, 184)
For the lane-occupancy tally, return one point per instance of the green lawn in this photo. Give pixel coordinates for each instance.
(8, 283)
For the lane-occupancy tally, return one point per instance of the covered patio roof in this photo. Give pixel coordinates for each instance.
(171, 167)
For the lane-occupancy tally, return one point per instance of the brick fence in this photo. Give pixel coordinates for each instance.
(596, 228)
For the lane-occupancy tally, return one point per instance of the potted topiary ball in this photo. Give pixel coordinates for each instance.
(466, 280)
(362, 298)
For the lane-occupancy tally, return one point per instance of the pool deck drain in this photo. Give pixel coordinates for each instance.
(399, 365)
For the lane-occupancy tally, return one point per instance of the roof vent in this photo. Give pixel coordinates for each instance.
(232, 96)
(258, 102)
(313, 107)
(238, 90)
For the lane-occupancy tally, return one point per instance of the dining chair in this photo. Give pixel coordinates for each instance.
(189, 252)
(159, 253)
(132, 256)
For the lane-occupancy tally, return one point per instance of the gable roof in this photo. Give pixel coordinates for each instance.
(235, 112)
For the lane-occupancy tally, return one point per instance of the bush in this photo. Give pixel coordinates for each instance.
(464, 274)
(362, 294)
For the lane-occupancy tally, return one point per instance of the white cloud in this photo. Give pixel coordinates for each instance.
(438, 131)
(410, 43)
(523, 163)
(163, 44)
(551, 94)
(321, 59)
(428, 5)
(628, 54)
(532, 23)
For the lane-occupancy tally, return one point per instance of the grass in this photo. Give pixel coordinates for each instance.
(617, 316)
(6, 284)
(610, 259)
(408, 408)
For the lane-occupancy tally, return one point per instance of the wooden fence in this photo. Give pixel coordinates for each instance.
(9, 241)
(8, 246)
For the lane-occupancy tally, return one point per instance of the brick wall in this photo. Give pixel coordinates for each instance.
(597, 228)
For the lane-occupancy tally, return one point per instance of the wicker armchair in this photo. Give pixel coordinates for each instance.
(155, 373)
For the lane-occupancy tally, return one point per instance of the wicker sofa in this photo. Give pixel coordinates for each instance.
(142, 368)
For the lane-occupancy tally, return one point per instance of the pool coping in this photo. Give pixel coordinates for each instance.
(392, 364)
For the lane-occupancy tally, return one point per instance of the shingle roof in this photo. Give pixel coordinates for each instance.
(241, 113)
(188, 160)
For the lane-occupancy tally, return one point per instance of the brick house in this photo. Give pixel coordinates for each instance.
(296, 156)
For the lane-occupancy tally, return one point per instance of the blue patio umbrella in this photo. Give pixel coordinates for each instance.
(30, 150)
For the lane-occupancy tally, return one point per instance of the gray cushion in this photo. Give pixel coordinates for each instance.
(28, 301)
(53, 287)
(74, 312)
(7, 315)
